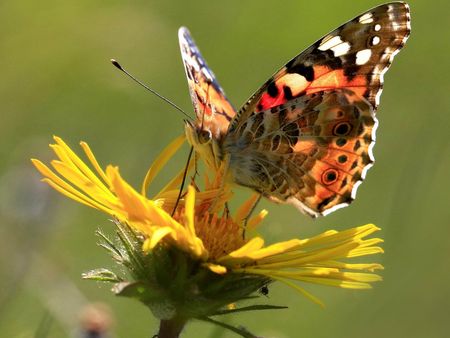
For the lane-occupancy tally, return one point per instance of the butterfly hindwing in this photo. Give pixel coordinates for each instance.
(213, 110)
(312, 152)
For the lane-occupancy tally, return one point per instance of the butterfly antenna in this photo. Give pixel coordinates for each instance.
(119, 66)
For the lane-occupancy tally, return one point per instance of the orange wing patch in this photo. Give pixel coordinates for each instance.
(292, 85)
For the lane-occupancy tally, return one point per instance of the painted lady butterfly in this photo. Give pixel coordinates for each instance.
(306, 136)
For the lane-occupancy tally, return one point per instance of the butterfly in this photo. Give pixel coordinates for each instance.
(306, 136)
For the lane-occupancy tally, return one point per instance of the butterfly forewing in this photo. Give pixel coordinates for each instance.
(213, 110)
(354, 56)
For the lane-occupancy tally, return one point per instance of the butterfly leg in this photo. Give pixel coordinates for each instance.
(186, 169)
(223, 173)
(246, 218)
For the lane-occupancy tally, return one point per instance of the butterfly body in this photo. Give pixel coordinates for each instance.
(306, 136)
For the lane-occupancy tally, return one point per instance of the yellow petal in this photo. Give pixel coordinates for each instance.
(305, 293)
(254, 221)
(334, 237)
(335, 282)
(352, 266)
(79, 163)
(275, 249)
(61, 186)
(219, 269)
(132, 203)
(308, 257)
(197, 248)
(189, 209)
(157, 236)
(77, 197)
(160, 161)
(91, 157)
(371, 242)
(84, 184)
(255, 243)
(365, 251)
(176, 181)
(320, 276)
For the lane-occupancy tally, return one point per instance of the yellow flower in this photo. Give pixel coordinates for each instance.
(202, 226)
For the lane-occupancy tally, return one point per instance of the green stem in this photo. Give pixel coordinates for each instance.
(171, 328)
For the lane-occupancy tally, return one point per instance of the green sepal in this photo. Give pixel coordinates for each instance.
(102, 275)
(139, 291)
(156, 300)
(213, 292)
(110, 247)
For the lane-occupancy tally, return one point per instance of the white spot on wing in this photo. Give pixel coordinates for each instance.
(363, 56)
(328, 42)
(341, 49)
(335, 44)
(376, 40)
(377, 27)
(366, 18)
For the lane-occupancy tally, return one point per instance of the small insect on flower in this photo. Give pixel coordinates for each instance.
(306, 136)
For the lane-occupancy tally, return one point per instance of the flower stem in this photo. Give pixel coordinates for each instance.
(171, 328)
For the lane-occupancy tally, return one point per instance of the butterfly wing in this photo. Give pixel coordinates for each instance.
(341, 74)
(312, 152)
(213, 110)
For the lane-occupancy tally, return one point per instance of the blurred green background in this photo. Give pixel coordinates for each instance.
(56, 79)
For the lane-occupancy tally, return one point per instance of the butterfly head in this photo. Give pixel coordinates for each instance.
(205, 145)
(196, 135)
(204, 136)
